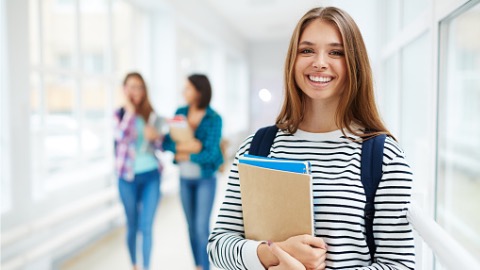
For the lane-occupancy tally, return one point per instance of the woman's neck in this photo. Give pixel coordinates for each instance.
(319, 117)
(195, 108)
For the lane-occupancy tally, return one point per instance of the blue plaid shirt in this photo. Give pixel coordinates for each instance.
(209, 133)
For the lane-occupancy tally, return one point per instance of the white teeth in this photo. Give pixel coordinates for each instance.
(320, 79)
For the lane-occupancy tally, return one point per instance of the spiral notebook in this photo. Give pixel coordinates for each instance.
(276, 198)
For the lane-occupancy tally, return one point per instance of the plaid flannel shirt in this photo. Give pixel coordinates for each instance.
(125, 136)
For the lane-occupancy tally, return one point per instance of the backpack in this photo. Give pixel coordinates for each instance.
(121, 113)
(370, 171)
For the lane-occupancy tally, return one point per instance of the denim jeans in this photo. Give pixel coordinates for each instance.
(140, 199)
(197, 197)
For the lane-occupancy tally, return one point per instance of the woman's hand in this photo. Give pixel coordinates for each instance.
(309, 250)
(150, 133)
(182, 156)
(286, 262)
(129, 107)
(193, 146)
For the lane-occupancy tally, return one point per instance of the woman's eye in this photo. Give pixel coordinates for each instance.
(306, 51)
(337, 53)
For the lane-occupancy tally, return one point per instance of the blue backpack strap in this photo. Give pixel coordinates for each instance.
(371, 174)
(121, 113)
(262, 141)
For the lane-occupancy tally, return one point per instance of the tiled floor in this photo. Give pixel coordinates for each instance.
(171, 249)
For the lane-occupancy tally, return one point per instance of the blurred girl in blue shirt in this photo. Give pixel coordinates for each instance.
(198, 160)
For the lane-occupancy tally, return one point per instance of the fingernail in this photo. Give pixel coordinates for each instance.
(269, 243)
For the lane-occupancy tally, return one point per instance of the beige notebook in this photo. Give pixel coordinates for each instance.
(276, 204)
(180, 131)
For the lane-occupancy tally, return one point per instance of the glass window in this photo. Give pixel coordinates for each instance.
(390, 92)
(61, 144)
(71, 88)
(58, 33)
(94, 131)
(123, 21)
(415, 82)
(34, 28)
(458, 162)
(93, 34)
(4, 150)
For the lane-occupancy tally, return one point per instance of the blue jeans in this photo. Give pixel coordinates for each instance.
(140, 199)
(197, 197)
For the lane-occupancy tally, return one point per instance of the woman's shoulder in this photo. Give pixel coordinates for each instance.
(182, 110)
(245, 145)
(392, 149)
(213, 114)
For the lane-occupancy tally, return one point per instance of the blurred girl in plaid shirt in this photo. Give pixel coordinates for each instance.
(137, 138)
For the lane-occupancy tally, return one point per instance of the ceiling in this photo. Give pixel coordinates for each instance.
(263, 19)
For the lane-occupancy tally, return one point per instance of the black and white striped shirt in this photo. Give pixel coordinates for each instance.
(339, 202)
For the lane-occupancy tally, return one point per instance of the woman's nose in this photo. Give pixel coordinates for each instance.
(320, 62)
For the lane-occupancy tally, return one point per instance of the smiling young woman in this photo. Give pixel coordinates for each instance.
(328, 112)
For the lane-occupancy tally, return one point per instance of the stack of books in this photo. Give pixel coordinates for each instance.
(277, 198)
(180, 131)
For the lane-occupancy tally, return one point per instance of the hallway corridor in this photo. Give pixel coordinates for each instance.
(171, 249)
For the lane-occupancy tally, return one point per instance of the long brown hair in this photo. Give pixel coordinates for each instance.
(357, 104)
(144, 108)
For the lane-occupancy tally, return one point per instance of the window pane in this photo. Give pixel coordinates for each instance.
(459, 131)
(416, 71)
(122, 37)
(4, 137)
(36, 122)
(94, 34)
(58, 32)
(390, 94)
(34, 32)
(94, 126)
(62, 141)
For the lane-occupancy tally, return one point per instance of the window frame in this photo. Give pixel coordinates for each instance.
(45, 182)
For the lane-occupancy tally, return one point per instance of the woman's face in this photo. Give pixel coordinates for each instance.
(320, 67)
(134, 90)
(190, 94)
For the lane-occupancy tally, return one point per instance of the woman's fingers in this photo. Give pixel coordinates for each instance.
(314, 241)
(285, 260)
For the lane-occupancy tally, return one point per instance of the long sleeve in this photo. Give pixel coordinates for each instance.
(339, 203)
(227, 247)
(212, 133)
(123, 126)
(169, 144)
(392, 232)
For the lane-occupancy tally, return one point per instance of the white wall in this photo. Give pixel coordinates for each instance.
(267, 60)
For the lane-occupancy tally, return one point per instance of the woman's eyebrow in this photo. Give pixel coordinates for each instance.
(335, 44)
(309, 43)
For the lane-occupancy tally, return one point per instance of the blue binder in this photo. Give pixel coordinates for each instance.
(286, 165)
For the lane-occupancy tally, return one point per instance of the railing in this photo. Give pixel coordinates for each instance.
(446, 249)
